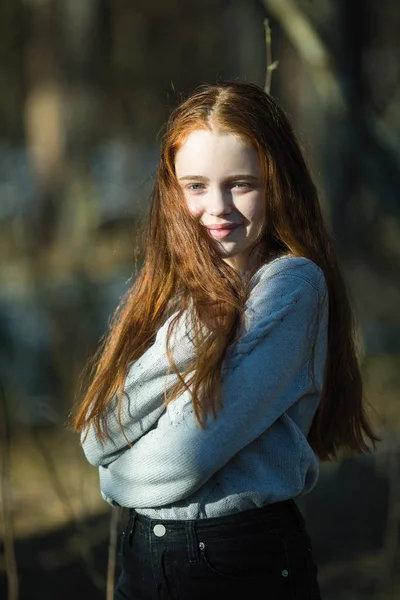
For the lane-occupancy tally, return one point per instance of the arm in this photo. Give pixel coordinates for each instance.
(268, 372)
(143, 401)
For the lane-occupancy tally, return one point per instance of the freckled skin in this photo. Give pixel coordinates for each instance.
(222, 180)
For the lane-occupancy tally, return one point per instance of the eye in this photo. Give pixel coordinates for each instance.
(241, 185)
(195, 187)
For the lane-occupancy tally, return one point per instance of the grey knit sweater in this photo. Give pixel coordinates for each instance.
(256, 451)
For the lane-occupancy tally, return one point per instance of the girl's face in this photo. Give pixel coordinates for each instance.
(222, 181)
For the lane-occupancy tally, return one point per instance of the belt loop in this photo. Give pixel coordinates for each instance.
(132, 521)
(192, 542)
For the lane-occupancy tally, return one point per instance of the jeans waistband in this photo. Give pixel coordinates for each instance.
(285, 512)
(277, 516)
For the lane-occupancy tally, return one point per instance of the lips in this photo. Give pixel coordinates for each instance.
(221, 231)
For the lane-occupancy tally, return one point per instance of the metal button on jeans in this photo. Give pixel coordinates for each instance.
(159, 530)
(285, 573)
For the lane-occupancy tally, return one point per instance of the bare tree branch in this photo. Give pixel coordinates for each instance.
(112, 552)
(377, 159)
(271, 66)
(311, 49)
(5, 504)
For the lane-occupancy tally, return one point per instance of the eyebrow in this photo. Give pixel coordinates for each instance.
(230, 178)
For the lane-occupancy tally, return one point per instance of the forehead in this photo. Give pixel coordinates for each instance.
(207, 152)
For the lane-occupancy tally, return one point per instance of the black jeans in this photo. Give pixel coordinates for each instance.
(260, 553)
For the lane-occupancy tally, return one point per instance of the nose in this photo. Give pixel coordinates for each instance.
(219, 202)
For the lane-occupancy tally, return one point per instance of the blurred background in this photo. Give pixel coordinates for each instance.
(85, 87)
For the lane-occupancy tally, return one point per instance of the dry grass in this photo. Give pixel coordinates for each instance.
(51, 483)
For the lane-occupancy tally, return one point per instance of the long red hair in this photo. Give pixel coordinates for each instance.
(182, 267)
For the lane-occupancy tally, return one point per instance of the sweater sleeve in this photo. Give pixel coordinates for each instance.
(268, 371)
(143, 401)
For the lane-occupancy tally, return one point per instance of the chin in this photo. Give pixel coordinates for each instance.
(229, 250)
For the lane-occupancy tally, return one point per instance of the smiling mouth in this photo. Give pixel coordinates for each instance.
(222, 232)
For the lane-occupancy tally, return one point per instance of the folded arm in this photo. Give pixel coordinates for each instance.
(143, 399)
(268, 372)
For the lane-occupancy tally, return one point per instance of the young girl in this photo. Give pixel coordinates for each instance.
(229, 368)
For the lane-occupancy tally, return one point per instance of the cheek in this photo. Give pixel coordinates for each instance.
(193, 206)
(256, 210)
(261, 213)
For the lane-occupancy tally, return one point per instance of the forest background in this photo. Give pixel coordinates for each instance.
(85, 87)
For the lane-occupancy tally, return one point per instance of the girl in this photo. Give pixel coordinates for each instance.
(230, 366)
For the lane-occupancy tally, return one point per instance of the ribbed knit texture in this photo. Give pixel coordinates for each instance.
(256, 451)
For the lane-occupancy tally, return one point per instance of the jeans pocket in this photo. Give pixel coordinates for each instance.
(302, 568)
(251, 556)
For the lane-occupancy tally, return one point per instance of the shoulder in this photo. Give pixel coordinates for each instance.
(287, 291)
(286, 282)
(295, 270)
